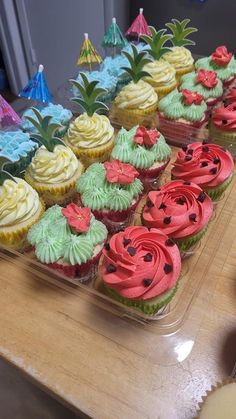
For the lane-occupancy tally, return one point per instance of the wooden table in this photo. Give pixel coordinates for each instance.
(42, 335)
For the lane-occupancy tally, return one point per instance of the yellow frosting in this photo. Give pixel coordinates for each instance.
(18, 202)
(136, 96)
(90, 131)
(179, 57)
(163, 73)
(54, 166)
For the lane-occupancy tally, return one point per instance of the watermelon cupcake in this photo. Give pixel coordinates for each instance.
(223, 125)
(180, 210)
(140, 268)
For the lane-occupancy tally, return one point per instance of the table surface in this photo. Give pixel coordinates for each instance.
(42, 335)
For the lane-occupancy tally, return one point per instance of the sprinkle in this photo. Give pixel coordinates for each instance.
(205, 149)
(149, 204)
(192, 217)
(169, 243)
(147, 282)
(107, 246)
(188, 158)
(168, 268)
(186, 183)
(181, 200)
(216, 160)
(162, 206)
(204, 163)
(184, 147)
(201, 197)
(213, 170)
(167, 220)
(111, 268)
(131, 251)
(190, 151)
(148, 257)
(126, 241)
(224, 121)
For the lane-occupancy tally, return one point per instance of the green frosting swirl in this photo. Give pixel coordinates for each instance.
(174, 108)
(223, 73)
(98, 194)
(141, 157)
(188, 81)
(53, 239)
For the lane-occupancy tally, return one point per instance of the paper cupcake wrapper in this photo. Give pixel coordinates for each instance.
(181, 71)
(15, 237)
(187, 243)
(128, 118)
(152, 173)
(227, 83)
(223, 138)
(94, 153)
(149, 307)
(162, 90)
(215, 193)
(116, 216)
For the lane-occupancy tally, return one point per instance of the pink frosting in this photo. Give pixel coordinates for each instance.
(177, 209)
(140, 263)
(207, 165)
(225, 117)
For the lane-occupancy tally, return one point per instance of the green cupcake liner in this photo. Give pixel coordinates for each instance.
(149, 307)
(215, 193)
(186, 243)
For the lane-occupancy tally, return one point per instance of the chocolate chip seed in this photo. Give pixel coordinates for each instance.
(169, 243)
(147, 282)
(148, 257)
(192, 217)
(149, 204)
(107, 246)
(126, 241)
(131, 251)
(168, 268)
(167, 220)
(111, 268)
(201, 197)
(213, 170)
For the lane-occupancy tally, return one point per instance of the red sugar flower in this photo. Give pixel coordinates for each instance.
(117, 172)
(221, 56)
(207, 78)
(191, 97)
(146, 137)
(77, 217)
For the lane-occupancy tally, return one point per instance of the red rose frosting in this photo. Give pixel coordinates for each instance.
(221, 56)
(190, 97)
(225, 117)
(140, 263)
(207, 165)
(207, 78)
(177, 209)
(231, 96)
(146, 137)
(122, 173)
(77, 217)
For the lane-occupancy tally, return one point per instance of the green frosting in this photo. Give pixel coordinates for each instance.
(188, 81)
(173, 107)
(141, 157)
(98, 194)
(53, 239)
(223, 73)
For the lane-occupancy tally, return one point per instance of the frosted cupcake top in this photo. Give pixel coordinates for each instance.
(179, 57)
(204, 82)
(15, 144)
(221, 61)
(162, 73)
(59, 115)
(106, 80)
(138, 95)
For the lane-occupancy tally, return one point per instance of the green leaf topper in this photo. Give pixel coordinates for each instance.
(137, 61)
(89, 94)
(157, 42)
(4, 175)
(181, 32)
(46, 131)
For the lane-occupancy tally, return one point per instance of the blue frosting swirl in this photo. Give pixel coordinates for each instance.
(15, 145)
(59, 115)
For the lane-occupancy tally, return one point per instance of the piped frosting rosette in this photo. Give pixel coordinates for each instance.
(208, 165)
(180, 210)
(141, 268)
(223, 124)
(222, 62)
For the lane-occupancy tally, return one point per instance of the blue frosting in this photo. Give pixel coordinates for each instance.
(106, 80)
(15, 145)
(59, 115)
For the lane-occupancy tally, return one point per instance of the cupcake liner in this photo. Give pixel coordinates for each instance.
(187, 243)
(229, 82)
(215, 193)
(223, 138)
(181, 71)
(128, 118)
(149, 307)
(15, 237)
(83, 272)
(87, 155)
(116, 216)
(150, 178)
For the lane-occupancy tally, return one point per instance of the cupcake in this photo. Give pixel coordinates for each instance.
(219, 402)
(69, 240)
(222, 62)
(204, 82)
(208, 165)
(20, 208)
(162, 74)
(54, 168)
(144, 149)
(223, 127)
(59, 115)
(179, 56)
(183, 116)
(17, 147)
(179, 210)
(90, 135)
(140, 268)
(112, 191)
(137, 101)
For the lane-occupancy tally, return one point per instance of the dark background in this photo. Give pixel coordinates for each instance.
(215, 20)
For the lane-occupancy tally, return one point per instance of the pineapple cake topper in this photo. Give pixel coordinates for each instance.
(139, 26)
(114, 37)
(46, 131)
(156, 42)
(137, 61)
(89, 93)
(88, 54)
(4, 174)
(181, 31)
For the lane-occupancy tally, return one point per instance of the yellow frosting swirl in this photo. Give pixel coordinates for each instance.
(136, 96)
(90, 131)
(163, 73)
(179, 57)
(18, 202)
(54, 166)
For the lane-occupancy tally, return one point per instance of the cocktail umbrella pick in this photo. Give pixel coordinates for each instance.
(114, 37)
(8, 117)
(88, 54)
(36, 88)
(139, 26)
